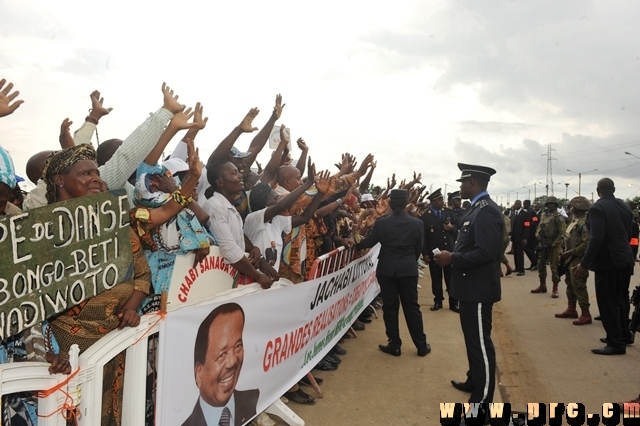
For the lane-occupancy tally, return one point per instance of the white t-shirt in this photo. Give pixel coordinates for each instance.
(263, 234)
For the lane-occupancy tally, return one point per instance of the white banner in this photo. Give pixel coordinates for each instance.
(252, 349)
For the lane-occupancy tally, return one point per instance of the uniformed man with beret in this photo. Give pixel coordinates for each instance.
(401, 238)
(439, 233)
(475, 278)
(549, 235)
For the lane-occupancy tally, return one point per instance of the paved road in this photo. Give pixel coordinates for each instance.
(540, 359)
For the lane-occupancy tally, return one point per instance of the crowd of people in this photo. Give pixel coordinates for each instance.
(288, 213)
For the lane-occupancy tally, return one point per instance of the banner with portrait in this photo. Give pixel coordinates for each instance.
(244, 353)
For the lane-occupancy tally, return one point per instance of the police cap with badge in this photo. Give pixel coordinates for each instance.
(471, 171)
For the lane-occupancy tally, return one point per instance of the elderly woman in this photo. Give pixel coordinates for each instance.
(73, 173)
(167, 217)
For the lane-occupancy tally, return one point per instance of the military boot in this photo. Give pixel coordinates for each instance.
(570, 312)
(542, 288)
(554, 291)
(585, 318)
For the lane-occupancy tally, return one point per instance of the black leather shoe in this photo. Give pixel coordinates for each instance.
(597, 318)
(462, 386)
(455, 308)
(609, 350)
(358, 326)
(436, 306)
(519, 274)
(533, 268)
(391, 350)
(626, 342)
(300, 397)
(326, 366)
(332, 358)
(424, 351)
(339, 350)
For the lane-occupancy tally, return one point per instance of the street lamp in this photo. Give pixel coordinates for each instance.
(566, 191)
(633, 155)
(535, 195)
(580, 177)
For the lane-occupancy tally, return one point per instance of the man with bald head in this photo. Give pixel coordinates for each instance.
(609, 255)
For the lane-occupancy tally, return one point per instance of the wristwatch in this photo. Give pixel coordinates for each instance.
(340, 202)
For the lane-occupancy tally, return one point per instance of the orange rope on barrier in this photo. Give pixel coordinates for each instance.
(68, 409)
(161, 316)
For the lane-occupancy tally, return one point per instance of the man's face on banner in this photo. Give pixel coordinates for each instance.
(217, 378)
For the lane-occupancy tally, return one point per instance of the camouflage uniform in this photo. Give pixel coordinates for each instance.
(549, 236)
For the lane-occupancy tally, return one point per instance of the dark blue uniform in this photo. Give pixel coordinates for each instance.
(397, 273)
(475, 282)
(435, 236)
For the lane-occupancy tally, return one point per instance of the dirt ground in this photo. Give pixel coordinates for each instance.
(540, 359)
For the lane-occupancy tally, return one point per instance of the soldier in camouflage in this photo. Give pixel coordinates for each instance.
(549, 236)
(576, 239)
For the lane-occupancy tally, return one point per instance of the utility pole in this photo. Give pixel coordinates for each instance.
(549, 168)
(566, 191)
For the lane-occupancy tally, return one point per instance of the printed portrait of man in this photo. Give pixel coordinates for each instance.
(218, 357)
(271, 254)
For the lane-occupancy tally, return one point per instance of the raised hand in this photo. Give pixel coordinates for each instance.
(200, 123)
(365, 165)
(180, 120)
(277, 110)
(303, 146)
(259, 166)
(193, 159)
(322, 181)
(284, 136)
(6, 107)
(311, 171)
(66, 140)
(246, 125)
(416, 179)
(391, 183)
(170, 101)
(97, 110)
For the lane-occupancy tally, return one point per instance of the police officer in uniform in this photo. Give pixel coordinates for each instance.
(529, 249)
(455, 203)
(475, 278)
(549, 235)
(576, 239)
(397, 272)
(439, 232)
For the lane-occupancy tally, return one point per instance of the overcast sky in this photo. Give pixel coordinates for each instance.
(420, 84)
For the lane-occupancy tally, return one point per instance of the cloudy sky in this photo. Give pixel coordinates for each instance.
(420, 84)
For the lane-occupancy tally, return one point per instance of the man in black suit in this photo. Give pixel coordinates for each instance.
(529, 248)
(520, 235)
(455, 203)
(609, 255)
(475, 278)
(271, 254)
(218, 357)
(397, 272)
(439, 233)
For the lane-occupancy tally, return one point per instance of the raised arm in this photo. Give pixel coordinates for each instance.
(180, 121)
(84, 134)
(302, 161)
(364, 185)
(65, 138)
(262, 137)
(322, 185)
(221, 153)
(271, 168)
(6, 97)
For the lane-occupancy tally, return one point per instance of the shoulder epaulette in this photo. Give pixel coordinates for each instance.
(483, 203)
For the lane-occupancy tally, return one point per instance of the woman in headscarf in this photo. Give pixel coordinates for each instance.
(167, 217)
(73, 173)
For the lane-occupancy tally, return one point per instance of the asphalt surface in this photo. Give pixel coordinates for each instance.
(540, 358)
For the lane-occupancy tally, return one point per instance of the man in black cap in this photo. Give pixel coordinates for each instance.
(475, 278)
(397, 272)
(439, 233)
(455, 203)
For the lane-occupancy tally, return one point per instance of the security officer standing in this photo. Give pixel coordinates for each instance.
(475, 278)
(520, 235)
(455, 203)
(529, 249)
(549, 236)
(576, 239)
(439, 232)
(397, 272)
